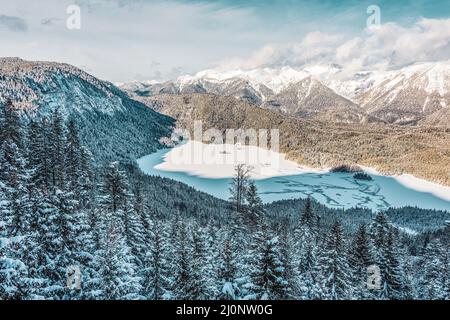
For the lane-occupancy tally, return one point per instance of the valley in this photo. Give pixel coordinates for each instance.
(423, 152)
(279, 179)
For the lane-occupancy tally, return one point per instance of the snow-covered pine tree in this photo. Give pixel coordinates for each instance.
(39, 150)
(114, 233)
(394, 285)
(333, 266)
(306, 242)
(387, 255)
(268, 282)
(360, 258)
(202, 279)
(227, 274)
(290, 273)
(72, 156)
(117, 274)
(13, 272)
(434, 273)
(135, 232)
(254, 209)
(156, 280)
(183, 260)
(14, 175)
(10, 125)
(379, 230)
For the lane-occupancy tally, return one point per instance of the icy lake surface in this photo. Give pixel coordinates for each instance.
(279, 179)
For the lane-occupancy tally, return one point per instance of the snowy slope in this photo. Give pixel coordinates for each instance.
(112, 125)
(416, 94)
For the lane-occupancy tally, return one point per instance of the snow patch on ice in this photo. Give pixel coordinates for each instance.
(219, 160)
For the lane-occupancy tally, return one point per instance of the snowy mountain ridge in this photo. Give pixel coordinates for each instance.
(110, 122)
(409, 95)
(50, 85)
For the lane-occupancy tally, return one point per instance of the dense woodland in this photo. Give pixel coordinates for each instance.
(137, 237)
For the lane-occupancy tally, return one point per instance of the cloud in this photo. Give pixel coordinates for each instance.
(387, 46)
(50, 21)
(11, 23)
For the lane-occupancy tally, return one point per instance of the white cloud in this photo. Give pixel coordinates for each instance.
(388, 46)
(119, 40)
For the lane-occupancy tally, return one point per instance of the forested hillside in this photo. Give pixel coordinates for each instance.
(72, 230)
(113, 126)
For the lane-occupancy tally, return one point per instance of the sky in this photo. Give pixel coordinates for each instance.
(126, 40)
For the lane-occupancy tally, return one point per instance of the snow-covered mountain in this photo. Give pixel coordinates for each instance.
(111, 124)
(310, 98)
(287, 90)
(415, 94)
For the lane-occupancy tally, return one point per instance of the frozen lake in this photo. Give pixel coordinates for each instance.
(278, 179)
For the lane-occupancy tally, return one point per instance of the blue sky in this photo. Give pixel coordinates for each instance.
(123, 40)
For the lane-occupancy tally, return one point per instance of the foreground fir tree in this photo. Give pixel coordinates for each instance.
(268, 274)
(156, 280)
(333, 266)
(227, 273)
(306, 242)
(360, 259)
(182, 268)
(202, 280)
(435, 272)
(118, 280)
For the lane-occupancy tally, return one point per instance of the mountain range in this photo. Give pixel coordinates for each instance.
(418, 94)
(116, 125)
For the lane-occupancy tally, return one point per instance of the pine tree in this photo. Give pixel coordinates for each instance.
(10, 125)
(119, 279)
(15, 177)
(290, 273)
(72, 153)
(434, 273)
(202, 278)
(227, 274)
(333, 266)
(134, 233)
(394, 285)
(182, 268)
(360, 259)
(254, 210)
(379, 230)
(116, 270)
(306, 241)
(13, 272)
(157, 282)
(114, 190)
(268, 282)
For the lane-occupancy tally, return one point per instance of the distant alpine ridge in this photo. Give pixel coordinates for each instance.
(418, 94)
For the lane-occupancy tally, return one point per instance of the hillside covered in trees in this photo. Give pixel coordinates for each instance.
(70, 229)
